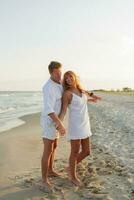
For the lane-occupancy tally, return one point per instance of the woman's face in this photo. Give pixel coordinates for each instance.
(70, 79)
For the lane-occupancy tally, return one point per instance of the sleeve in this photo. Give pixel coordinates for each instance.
(48, 100)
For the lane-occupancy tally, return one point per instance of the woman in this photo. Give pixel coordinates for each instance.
(75, 99)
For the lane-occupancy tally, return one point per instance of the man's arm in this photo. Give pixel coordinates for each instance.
(49, 102)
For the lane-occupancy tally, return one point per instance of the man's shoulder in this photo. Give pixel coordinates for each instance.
(52, 87)
(47, 85)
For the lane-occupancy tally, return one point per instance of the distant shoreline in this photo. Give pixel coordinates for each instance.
(116, 92)
(128, 93)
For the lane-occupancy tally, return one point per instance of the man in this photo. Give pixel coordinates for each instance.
(51, 124)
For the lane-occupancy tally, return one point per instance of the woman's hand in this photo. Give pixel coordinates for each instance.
(94, 100)
(98, 98)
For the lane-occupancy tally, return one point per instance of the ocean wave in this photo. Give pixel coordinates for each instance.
(4, 95)
(4, 110)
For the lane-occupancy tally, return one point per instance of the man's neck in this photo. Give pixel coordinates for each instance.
(55, 80)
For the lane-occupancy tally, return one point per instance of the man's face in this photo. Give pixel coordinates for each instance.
(56, 74)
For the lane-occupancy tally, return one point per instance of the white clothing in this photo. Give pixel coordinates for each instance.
(78, 124)
(52, 94)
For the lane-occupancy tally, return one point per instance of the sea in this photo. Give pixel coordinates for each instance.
(14, 105)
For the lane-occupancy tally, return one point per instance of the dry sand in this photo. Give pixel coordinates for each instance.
(20, 154)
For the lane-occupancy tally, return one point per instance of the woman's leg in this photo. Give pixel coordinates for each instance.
(75, 146)
(86, 149)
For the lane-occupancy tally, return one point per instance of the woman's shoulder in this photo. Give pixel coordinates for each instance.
(67, 94)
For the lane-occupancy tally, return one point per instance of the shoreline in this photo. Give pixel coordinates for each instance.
(103, 176)
(21, 121)
(120, 93)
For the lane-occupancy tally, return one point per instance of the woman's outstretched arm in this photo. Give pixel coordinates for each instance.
(66, 100)
(92, 96)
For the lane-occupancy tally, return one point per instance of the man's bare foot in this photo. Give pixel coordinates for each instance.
(54, 174)
(76, 181)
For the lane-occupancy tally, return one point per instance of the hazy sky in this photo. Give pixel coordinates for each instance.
(94, 38)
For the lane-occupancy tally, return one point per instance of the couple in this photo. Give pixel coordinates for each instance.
(57, 97)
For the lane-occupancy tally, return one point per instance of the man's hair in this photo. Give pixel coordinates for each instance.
(54, 65)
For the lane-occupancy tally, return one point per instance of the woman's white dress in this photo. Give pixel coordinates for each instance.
(78, 118)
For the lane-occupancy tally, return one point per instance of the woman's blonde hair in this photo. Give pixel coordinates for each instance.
(66, 86)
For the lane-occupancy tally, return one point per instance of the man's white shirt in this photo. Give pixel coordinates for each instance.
(52, 94)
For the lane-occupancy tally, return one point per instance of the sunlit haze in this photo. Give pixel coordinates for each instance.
(93, 38)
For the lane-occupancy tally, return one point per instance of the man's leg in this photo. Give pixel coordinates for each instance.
(51, 163)
(48, 147)
(86, 149)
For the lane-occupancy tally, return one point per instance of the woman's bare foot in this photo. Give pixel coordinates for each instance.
(53, 173)
(76, 181)
(46, 185)
(67, 169)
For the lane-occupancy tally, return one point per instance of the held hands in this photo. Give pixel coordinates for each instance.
(60, 128)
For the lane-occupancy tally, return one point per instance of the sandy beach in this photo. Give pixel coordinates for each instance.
(103, 176)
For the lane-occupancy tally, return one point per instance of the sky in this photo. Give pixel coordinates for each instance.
(94, 38)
